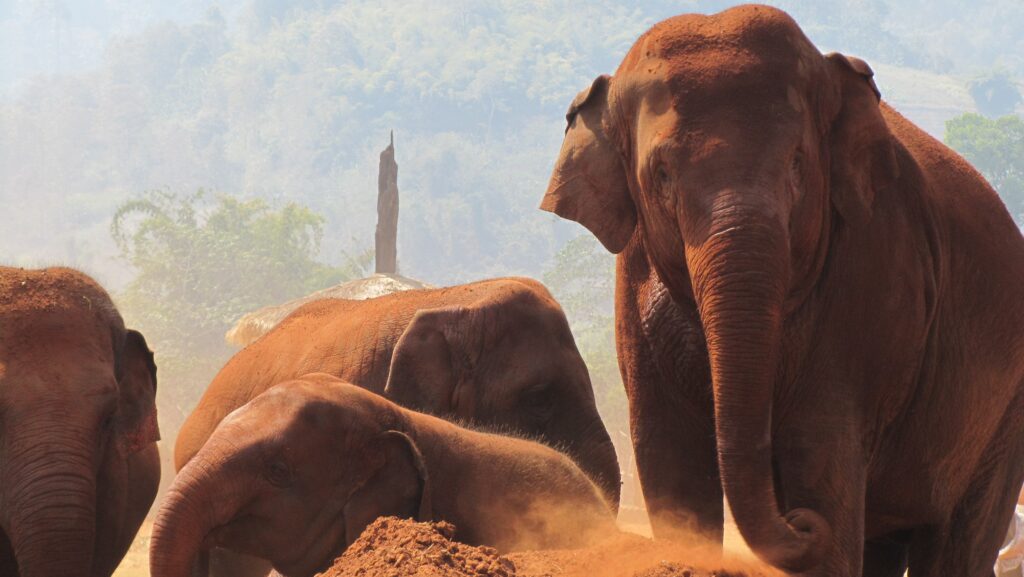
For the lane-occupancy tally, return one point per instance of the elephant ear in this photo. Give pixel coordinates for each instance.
(136, 413)
(429, 362)
(398, 486)
(588, 184)
(862, 153)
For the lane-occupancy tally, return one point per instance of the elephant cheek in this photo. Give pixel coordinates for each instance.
(668, 255)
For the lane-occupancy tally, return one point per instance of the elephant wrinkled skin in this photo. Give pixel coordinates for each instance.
(818, 306)
(78, 460)
(296, 474)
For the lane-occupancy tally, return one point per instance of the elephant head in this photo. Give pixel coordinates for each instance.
(293, 476)
(508, 360)
(78, 459)
(735, 149)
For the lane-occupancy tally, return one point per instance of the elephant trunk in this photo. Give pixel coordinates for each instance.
(596, 456)
(190, 512)
(740, 275)
(49, 506)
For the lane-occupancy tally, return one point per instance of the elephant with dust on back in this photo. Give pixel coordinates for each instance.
(819, 306)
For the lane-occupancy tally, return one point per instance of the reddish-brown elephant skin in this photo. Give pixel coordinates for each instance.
(496, 353)
(296, 474)
(78, 460)
(818, 304)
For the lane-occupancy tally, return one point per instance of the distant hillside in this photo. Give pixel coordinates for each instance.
(926, 98)
(293, 101)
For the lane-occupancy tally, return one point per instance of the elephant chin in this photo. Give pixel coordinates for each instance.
(319, 554)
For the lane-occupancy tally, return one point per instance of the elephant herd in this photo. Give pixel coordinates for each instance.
(818, 319)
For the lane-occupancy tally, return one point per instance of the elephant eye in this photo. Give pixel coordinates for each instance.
(109, 418)
(662, 175)
(796, 176)
(663, 187)
(539, 401)
(279, 474)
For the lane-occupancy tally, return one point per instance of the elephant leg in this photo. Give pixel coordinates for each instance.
(224, 563)
(201, 565)
(8, 565)
(674, 442)
(968, 543)
(885, 557)
(824, 470)
(678, 469)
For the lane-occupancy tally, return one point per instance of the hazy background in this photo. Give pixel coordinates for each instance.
(279, 110)
(103, 99)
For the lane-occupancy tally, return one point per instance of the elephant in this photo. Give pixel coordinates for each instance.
(297, 473)
(79, 466)
(497, 353)
(817, 303)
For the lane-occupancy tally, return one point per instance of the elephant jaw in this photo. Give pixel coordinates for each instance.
(325, 541)
(320, 553)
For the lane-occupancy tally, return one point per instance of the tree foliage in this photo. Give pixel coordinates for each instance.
(996, 148)
(201, 262)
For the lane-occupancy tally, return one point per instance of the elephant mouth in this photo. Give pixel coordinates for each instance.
(326, 541)
(323, 544)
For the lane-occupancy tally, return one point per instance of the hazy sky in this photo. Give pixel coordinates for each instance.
(68, 36)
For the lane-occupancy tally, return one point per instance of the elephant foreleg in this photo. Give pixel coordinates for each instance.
(885, 557)
(664, 368)
(8, 565)
(967, 544)
(678, 469)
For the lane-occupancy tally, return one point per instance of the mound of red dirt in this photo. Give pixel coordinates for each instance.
(393, 547)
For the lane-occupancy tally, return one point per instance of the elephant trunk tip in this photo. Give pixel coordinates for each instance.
(803, 545)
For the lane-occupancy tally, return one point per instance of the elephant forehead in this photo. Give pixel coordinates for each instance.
(732, 47)
(322, 407)
(759, 28)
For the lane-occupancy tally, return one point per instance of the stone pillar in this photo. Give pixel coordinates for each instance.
(386, 246)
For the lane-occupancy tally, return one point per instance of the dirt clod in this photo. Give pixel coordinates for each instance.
(393, 547)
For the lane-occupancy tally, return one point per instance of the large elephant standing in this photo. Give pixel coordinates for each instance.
(78, 460)
(818, 305)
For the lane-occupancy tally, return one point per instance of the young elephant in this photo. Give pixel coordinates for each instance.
(296, 474)
(498, 353)
(78, 458)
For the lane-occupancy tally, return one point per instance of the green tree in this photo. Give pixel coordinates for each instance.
(202, 261)
(996, 148)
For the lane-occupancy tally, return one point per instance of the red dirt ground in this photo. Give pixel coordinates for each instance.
(393, 547)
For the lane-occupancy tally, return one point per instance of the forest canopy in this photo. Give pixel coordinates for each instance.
(995, 146)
